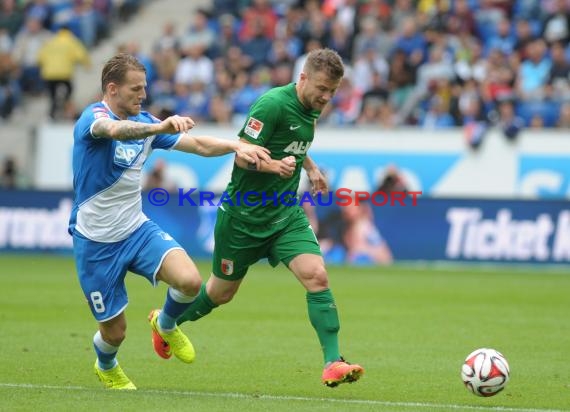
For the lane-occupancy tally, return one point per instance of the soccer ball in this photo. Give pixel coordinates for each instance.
(485, 372)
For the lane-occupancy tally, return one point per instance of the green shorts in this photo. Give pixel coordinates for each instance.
(239, 244)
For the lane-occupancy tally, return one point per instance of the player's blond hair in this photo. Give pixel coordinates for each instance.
(324, 60)
(116, 68)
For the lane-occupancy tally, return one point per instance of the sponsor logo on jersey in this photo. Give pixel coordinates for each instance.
(165, 236)
(227, 267)
(298, 148)
(294, 127)
(126, 154)
(253, 127)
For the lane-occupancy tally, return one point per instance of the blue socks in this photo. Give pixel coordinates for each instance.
(106, 353)
(175, 305)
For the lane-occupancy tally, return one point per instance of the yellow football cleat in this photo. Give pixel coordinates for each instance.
(114, 378)
(175, 341)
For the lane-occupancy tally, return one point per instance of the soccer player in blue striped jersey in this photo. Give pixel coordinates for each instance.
(112, 140)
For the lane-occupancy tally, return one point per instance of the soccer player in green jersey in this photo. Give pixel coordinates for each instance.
(256, 219)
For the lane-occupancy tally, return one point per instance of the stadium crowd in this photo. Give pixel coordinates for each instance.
(426, 63)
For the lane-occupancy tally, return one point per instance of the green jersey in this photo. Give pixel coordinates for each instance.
(278, 121)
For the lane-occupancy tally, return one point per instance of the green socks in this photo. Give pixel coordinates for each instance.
(200, 307)
(324, 318)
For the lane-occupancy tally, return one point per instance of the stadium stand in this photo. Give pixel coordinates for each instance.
(427, 63)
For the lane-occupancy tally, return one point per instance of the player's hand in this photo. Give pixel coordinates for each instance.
(318, 182)
(176, 124)
(287, 167)
(252, 153)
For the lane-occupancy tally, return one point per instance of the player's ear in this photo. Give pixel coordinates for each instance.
(112, 89)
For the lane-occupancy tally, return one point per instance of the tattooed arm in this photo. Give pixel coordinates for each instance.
(127, 129)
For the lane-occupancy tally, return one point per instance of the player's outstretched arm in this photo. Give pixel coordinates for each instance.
(284, 167)
(128, 129)
(318, 181)
(209, 146)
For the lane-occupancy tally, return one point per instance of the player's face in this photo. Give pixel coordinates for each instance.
(317, 89)
(130, 95)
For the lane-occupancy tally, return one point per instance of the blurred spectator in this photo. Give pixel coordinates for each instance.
(257, 46)
(6, 42)
(366, 66)
(536, 121)
(346, 105)
(362, 239)
(428, 76)
(220, 110)
(41, 10)
(437, 116)
(9, 177)
(340, 40)
(392, 181)
(251, 87)
(199, 34)
(9, 86)
(508, 121)
(558, 83)
(226, 36)
(370, 112)
(312, 44)
(195, 66)
(523, 36)
(411, 41)
(281, 74)
(401, 78)
(27, 45)
(556, 26)
(259, 19)
(378, 89)
(502, 38)
(499, 79)
(461, 18)
(402, 12)
(370, 37)
(168, 39)
(564, 117)
(57, 60)
(86, 23)
(533, 72)
(11, 17)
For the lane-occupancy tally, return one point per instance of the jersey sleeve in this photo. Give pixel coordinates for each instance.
(89, 117)
(162, 141)
(261, 121)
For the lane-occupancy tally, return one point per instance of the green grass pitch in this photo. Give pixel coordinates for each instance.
(409, 326)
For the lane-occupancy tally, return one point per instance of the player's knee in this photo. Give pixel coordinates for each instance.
(186, 280)
(189, 284)
(319, 278)
(114, 336)
(222, 297)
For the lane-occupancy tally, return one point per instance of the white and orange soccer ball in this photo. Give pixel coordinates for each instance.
(485, 372)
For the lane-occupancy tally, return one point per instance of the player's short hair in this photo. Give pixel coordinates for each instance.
(115, 70)
(325, 60)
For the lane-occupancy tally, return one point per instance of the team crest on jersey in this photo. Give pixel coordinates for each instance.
(127, 153)
(227, 267)
(253, 127)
